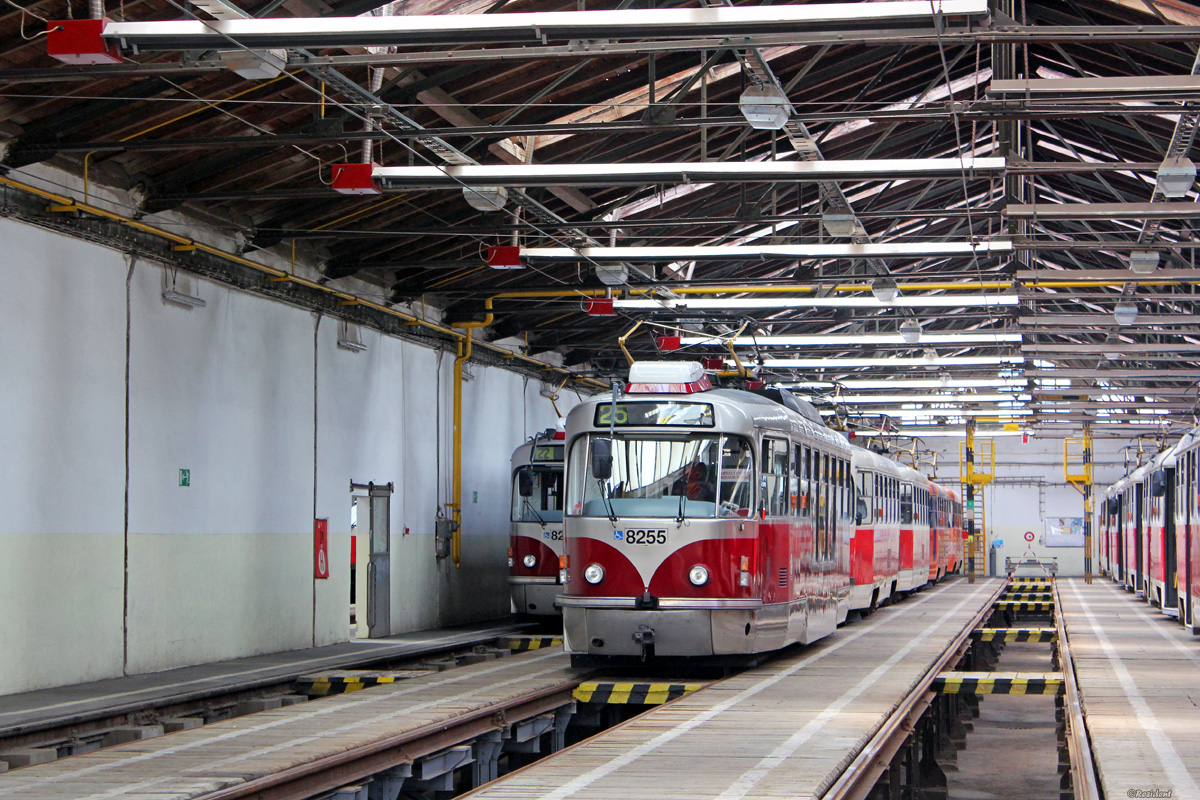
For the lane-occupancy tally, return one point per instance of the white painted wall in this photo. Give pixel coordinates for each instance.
(62, 401)
(1030, 487)
(273, 421)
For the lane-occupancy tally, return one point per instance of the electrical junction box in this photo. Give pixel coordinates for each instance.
(443, 535)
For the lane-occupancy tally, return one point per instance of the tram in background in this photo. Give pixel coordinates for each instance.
(536, 537)
(1148, 533)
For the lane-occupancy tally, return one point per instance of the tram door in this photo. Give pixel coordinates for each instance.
(1170, 599)
(1139, 564)
(376, 591)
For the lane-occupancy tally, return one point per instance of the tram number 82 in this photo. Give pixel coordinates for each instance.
(639, 536)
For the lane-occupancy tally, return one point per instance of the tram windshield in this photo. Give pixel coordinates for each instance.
(695, 476)
(544, 505)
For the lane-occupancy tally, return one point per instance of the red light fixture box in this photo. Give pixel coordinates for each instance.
(667, 343)
(599, 307)
(504, 257)
(354, 179)
(79, 42)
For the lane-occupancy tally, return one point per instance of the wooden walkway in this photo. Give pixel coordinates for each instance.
(1139, 676)
(787, 729)
(191, 764)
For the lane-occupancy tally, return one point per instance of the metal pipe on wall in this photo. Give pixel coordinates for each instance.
(464, 355)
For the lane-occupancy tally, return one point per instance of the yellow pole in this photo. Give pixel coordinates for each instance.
(464, 355)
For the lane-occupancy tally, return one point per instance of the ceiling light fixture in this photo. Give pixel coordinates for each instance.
(485, 198)
(765, 107)
(737, 303)
(179, 298)
(931, 360)
(840, 224)
(944, 381)
(1126, 312)
(910, 331)
(1175, 177)
(806, 340)
(761, 252)
(1143, 262)
(884, 289)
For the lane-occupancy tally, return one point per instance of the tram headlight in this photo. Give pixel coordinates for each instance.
(529, 561)
(593, 574)
(698, 575)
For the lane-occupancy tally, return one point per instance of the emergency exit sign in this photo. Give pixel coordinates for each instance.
(185, 477)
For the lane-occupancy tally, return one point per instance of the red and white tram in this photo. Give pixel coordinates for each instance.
(875, 548)
(536, 538)
(1149, 530)
(702, 522)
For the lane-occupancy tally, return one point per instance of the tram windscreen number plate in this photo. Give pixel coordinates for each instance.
(548, 452)
(682, 415)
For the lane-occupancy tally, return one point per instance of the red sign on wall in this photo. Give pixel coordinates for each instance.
(321, 548)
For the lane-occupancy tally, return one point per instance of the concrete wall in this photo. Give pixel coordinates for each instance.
(1030, 487)
(108, 566)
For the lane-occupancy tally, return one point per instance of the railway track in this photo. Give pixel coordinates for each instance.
(109, 713)
(896, 747)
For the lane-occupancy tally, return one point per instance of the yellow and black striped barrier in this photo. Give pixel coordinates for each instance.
(1031, 579)
(1015, 634)
(520, 644)
(1022, 605)
(999, 683)
(1033, 597)
(343, 682)
(638, 694)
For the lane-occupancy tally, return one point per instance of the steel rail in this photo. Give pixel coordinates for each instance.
(860, 777)
(329, 773)
(1084, 783)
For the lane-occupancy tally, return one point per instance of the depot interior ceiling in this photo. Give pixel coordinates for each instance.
(1055, 228)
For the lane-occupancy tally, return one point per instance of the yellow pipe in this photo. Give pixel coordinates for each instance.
(464, 355)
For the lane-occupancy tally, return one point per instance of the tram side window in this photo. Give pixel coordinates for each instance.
(847, 490)
(775, 470)
(797, 482)
(734, 493)
(906, 504)
(865, 498)
(806, 487)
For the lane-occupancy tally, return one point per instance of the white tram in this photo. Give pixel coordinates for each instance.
(702, 522)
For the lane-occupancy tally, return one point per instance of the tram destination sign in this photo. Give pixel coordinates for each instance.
(681, 415)
(547, 452)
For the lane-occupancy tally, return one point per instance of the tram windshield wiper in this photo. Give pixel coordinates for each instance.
(682, 502)
(529, 505)
(612, 514)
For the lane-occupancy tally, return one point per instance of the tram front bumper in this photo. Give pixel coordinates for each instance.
(672, 632)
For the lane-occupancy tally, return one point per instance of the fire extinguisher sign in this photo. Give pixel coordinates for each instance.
(321, 548)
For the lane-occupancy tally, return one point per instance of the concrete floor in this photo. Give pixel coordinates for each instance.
(1013, 752)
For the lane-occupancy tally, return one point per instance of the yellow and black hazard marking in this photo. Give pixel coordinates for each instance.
(519, 644)
(638, 694)
(1015, 634)
(351, 681)
(1021, 605)
(1031, 579)
(999, 683)
(1034, 597)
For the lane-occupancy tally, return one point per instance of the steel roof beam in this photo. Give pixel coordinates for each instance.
(1105, 320)
(1044, 212)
